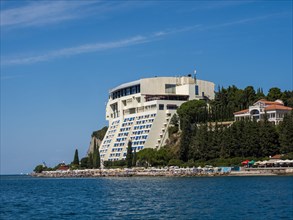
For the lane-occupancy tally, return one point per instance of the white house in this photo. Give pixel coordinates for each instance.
(274, 110)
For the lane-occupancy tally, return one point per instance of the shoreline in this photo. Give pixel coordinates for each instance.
(163, 172)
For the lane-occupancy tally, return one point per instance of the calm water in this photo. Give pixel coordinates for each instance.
(24, 197)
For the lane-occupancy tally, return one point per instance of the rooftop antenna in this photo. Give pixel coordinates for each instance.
(194, 75)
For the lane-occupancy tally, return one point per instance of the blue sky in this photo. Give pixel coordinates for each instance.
(59, 59)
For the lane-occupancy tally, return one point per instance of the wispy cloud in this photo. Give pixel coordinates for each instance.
(135, 40)
(215, 5)
(86, 48)
(239, 22)
(39, 13)
(176, 30)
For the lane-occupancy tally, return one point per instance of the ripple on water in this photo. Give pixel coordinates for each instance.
(147, 198)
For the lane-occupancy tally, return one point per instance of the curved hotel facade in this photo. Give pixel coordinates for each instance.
(141, 110)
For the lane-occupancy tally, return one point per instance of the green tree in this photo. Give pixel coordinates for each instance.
(249, 96)
(286, 133)
(268, 138)
(134, 159)
(146, 157)
(185, 139)
(194, 110)
(190, 113)
(200, 142)
(259, 94)
(274, 94)
(174, 125)
(129, 155)
(84, 162)
(76, 158)
(96, 156)
(99, 134)
(39, 168)
(287, 98)
(174, 120)
(90, 161)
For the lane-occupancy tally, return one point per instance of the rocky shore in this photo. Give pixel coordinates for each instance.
(125, 172)
(168, 172)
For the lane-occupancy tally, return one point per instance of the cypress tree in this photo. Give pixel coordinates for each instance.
(90, 161)
(134, 160)
(76, 158)
(96, 156)
(129, 155)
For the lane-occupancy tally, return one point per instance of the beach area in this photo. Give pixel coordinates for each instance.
(165, 172)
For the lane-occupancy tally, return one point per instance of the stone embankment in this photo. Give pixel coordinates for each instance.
(266, 171)
(171, 171)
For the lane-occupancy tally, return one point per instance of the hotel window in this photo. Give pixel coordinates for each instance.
(196, 90)
(170, 88)
(172, 107)
(161, 107)
(128, 91)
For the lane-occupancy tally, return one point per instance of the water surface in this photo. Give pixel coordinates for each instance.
(24, 197)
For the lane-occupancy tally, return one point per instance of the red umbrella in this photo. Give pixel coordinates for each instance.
(245, 162)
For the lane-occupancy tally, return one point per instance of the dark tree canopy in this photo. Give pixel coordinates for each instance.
(129, 155)
(99, 134)
(76, 158)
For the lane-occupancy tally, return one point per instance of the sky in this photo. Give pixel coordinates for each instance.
(59, 59)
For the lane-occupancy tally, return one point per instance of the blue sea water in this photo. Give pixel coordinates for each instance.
(266, 197)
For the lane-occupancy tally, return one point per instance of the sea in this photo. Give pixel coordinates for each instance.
(253, 197)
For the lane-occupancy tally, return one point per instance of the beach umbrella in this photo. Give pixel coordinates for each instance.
(258, 162)
(288, 161)
(251, 162)
(245, 162)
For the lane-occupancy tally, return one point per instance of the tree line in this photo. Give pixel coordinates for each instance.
(232, 99)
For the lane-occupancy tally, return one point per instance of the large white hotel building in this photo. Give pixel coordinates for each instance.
(141, 110)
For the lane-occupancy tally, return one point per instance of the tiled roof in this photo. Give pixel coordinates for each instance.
(241, 112)
(277, 156)
(269, 102)
(277, 107)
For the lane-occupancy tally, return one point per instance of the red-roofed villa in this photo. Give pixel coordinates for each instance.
(275, 111)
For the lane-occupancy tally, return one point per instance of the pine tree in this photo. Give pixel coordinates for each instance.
(224, 144)
(90, 161)
(129, 155)
(259, 94)
(286, 133)
(76, 158)
(274, 94)
(185, 139)
(268, 138)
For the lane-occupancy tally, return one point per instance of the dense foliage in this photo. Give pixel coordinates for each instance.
(99, 134)
(232, 99)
